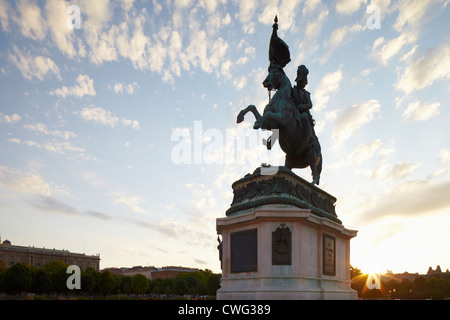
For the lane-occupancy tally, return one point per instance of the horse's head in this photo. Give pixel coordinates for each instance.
(277, 79)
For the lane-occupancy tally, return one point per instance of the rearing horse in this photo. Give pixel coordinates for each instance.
(280, 114)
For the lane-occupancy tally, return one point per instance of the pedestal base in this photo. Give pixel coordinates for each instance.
(284, 253)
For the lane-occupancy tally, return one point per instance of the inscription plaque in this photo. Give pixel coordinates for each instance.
(281, 246)
(244, 251)
(329, 255)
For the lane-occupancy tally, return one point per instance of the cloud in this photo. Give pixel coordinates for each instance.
(99, 115)
(42, 128)
(33, 67)
(50, 204)
(411, 13)
(57, 17)
(97, 13)
(30, 20)
(127, 4)
(424, 71)
(4, 15)
(99, 215)
(14, 118)
(240, 82)
(217, 52)
(100, 34)
(132, 202)
(364, 152)
(421, 111)
(310, 6)
(85, 87)
(352, 119)
(309, 44)
(24, 182)
(132, 123)
(121, 87)
(105, 117)
(328, 85)
(209, 5)
(162, 228)
(401, 170)
(285, 10)
(53, 146)
(412, 198)
(246, 10)
(444, 156)
(136, 47)
(385, 51)
(339, 37)
(313, 28)
(349, 6)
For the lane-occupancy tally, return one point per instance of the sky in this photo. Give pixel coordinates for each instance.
(118, 131)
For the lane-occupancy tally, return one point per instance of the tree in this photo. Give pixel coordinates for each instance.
(419, 284)
(42, 281)
(58, 273)
(139, 284)
(167, 287)
(354, 272)
(59, 281)
(156, 286)
(17, 279)
(125, 284)
(213, 284)
(88, 282)
(180, 286)
(54, 266)
(192, 284)
(106, 282)
(96, 275)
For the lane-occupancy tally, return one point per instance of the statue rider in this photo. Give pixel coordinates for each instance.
(303, 104)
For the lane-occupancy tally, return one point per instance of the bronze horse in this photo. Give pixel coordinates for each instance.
(280, 114)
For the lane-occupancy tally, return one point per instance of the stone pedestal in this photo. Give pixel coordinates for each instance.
(279, 243)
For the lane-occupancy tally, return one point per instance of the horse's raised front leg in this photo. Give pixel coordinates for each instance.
(251, 108)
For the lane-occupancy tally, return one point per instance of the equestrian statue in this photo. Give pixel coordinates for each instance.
(288, 112)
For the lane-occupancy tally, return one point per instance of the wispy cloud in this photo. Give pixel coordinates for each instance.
(410, 199)
(121, 87)
(52, 205)
(352, 119)
(42, 128)
(384, 51)
(328, 85)
(349, 6)
(133, 202)
(98, 214)
(339, 37)
(105, 117)
(84, 86)
(423, 71)
(25, 182)
(52, 146)
(11, 119)
(30, 19)
(38, 67)
(421, 111)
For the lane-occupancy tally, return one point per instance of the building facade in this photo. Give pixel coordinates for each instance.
(37, 257)
(151, 272)
(170, 272)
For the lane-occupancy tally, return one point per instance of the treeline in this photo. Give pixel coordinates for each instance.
(436, 287)
(51, 279)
